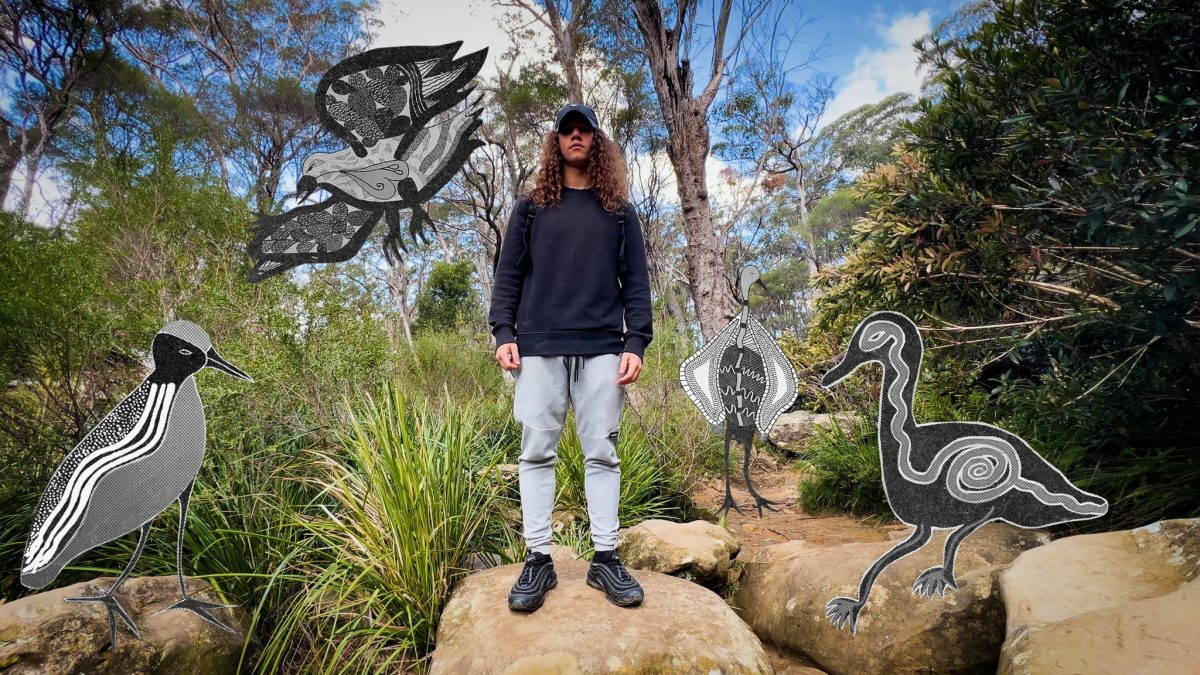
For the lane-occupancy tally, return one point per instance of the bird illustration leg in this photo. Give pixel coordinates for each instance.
(845, 610)
(728, 503)
(938, 579)
(110, 602)
(393, 243)
(197, 607)
(418, 222)
(759, 500)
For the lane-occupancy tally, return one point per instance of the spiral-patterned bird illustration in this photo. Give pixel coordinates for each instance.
(945, 475)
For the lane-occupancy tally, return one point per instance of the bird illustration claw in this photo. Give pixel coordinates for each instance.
(114, 608)
(200, 609)
(760, 502)
(728, 504)
(842, 611)
(934, 580)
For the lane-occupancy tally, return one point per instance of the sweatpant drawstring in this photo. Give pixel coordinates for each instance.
(574, 364)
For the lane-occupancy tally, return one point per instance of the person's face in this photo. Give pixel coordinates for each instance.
(575, 140)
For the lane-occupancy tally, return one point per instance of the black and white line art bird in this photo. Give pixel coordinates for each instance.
(945, 475)
(395, 108)
(143, 456)
(743, 379)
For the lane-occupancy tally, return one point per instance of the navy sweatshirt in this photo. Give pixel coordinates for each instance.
(565, 295)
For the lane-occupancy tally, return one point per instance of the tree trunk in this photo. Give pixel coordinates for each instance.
(10, 154)
(805, 229)
(32, 162)
(686, 120)
(565, 47)
(688, 150)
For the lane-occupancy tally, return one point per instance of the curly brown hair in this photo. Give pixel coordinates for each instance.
(606, 169)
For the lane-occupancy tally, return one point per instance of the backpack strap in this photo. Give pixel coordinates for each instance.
(530, 217)
(621, 217)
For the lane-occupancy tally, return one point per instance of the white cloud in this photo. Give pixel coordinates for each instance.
(885, 69)
(477, 23)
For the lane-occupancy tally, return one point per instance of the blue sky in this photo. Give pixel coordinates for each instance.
(867, 47)
(867, 41)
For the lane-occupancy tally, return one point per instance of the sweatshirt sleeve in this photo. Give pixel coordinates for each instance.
(635, 287)
(510, 273)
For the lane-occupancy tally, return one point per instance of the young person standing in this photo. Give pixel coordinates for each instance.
(571, 315)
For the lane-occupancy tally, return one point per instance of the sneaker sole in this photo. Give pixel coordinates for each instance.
(540, 602)
(627, 603)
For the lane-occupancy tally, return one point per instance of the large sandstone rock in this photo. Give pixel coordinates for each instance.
(43, 633)
(784, 589)
(1119, 602)
(793, 429)
(698, 551)
(680, 627)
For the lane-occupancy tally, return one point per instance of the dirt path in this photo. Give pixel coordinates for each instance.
(778, 482)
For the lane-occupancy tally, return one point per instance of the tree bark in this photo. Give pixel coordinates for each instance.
(805, 229)
(565, 45)
(686, 120)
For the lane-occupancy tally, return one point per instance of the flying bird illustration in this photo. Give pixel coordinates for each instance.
(395, 108)
(945, 475)
(742, 379)
(143, 456)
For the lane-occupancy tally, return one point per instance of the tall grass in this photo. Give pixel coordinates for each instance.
(405, 499)
(648, 488)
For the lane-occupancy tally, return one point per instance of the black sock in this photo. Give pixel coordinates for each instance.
(603, 556)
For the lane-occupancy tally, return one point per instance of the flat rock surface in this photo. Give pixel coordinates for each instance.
(1117, 602)
(784, 589)
(680, 627)
(43, 633)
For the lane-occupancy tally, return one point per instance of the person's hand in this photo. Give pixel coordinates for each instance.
(507, 356)
(631, 367)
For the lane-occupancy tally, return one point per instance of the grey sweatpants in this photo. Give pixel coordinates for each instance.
(545, 385)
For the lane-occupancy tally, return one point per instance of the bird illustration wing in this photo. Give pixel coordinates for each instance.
(132, 430)
(332, 231)
(781, 377)
(439, 149)
(383, 93)
(698, 374)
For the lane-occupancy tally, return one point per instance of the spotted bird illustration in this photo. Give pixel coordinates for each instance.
(743, 380)
(945, 475)
(397, 109)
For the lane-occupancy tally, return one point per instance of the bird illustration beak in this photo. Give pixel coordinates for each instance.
(764, 286)
(839, 372)
(215, 361)
(305, 187)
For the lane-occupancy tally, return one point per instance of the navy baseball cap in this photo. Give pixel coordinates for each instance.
(586, 111)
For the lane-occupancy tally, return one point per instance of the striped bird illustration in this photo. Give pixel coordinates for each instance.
(143, 456)
(945, 475)
(742, 379)
(395, 108)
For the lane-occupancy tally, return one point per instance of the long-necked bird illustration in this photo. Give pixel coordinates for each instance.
(143, 456)
(743, 379)
(393, 107)
(945, 475)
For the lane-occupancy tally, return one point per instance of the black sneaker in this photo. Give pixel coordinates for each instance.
(536, 578)
(609, 575)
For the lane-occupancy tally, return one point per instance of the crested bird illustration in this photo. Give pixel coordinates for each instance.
(394, 107)
(742, 379)
(945, 475)
(143, 456)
